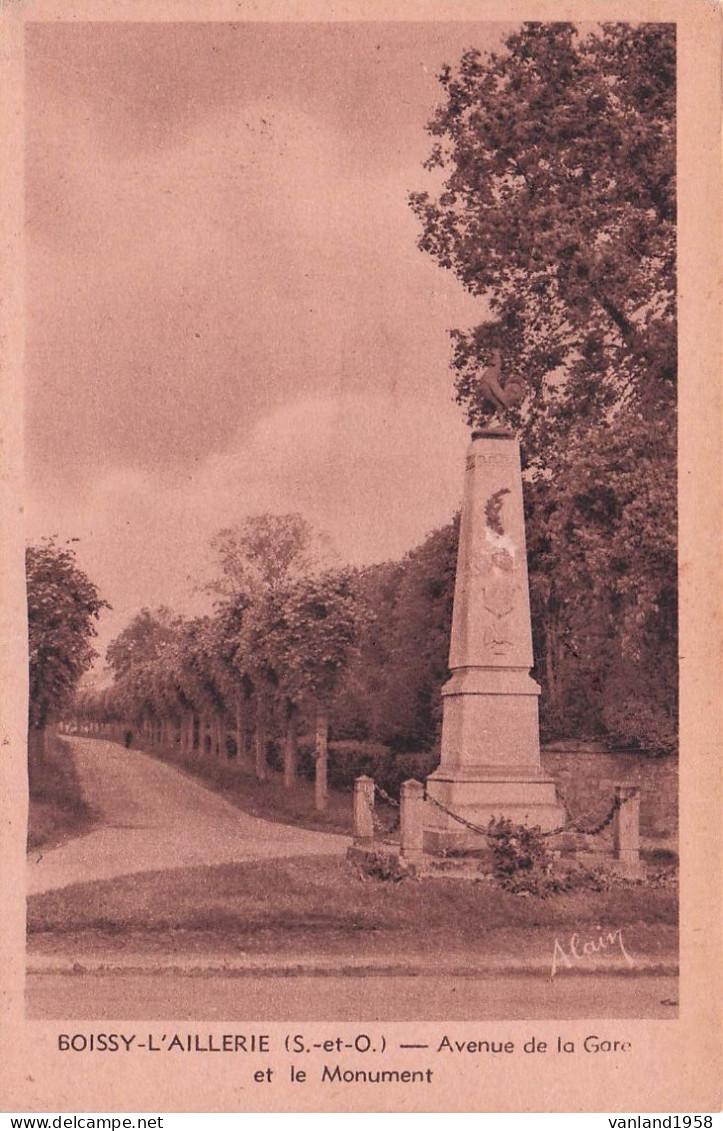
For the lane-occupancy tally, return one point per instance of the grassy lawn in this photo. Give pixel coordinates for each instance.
(57, 810)
(323, 907)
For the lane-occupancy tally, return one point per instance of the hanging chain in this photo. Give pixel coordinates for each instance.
(386, 796)
(574, 824)
(455, 816)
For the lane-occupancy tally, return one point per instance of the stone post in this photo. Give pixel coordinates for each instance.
(626, 831)
(490, 756)
(363, 808)
(411, 821)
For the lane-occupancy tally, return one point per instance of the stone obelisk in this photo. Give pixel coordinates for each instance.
(490, 759)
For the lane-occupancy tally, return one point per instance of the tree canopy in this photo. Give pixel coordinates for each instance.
(263, 553)
(558, 207)
(63, 606)
(140, 642)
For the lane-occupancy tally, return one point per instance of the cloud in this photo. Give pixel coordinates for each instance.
(228, 312)
(180, 294)
(375, 473)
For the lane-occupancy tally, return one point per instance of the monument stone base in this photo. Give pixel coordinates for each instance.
(490, 764)
(481, 794)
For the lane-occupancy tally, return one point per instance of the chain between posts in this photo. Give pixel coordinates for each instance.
(386, 796)
(455, 816)
(381, 828)
(573, 823)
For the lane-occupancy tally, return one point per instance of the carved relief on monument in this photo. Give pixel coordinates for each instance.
(500, 586)
(492, 459)
(499, 589)
(495, 639)
(493, 511)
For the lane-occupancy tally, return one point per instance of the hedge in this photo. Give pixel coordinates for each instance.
(349, 760)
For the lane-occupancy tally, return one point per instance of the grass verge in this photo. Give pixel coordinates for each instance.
(324, 906)
(57, 810)
(268, 799)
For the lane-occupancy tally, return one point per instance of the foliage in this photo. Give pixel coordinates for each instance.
(391, 690)
(401, 767)
(63, 606)
(522, 862)
(559, 208)
(348, 760)
(608, 660)
(265, 552)
(384, 866)
(308, 632)
(141, 641)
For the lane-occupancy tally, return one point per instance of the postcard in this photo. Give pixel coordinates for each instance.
(361, 511)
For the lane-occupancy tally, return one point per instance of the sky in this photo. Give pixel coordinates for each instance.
(227, 312)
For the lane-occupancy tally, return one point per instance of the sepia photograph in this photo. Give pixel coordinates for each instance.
(351, 450)
(351, 530)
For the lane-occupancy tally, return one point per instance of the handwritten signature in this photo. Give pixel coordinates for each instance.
(580, 949)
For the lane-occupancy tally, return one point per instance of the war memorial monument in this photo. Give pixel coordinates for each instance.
(490, 751)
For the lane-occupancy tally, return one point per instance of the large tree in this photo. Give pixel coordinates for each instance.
(264, 552)
(63, 607)
(141, 641)
(307, 639)
(259, 559)
(558, 210)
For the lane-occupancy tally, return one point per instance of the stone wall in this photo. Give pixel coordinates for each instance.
(587, 775)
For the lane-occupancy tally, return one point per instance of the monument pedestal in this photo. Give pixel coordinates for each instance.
(490, 759)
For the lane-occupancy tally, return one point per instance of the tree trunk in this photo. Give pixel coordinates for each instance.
(36, 748)
(550, 670)
(322, 755)
(239, 729)
(261, 767)
(290, 748)
(219, 736)
(553, 661)
(187, 732)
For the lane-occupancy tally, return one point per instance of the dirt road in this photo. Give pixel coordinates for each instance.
(154, 817)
